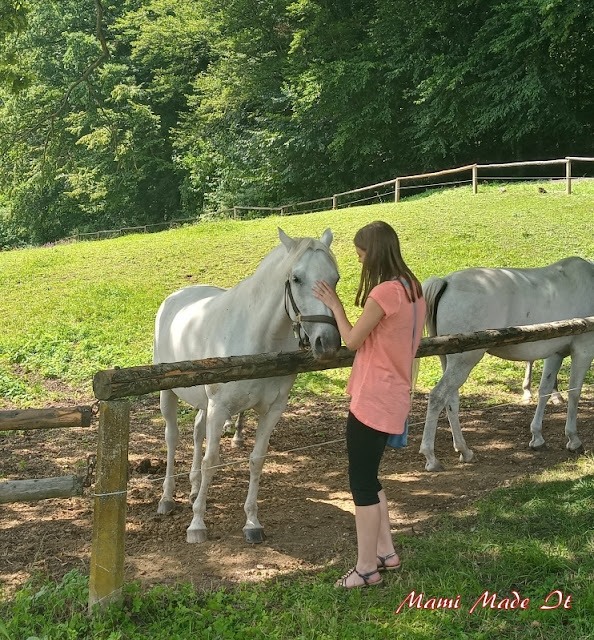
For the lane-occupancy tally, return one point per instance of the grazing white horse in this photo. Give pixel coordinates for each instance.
(477, 299)
(263, 313)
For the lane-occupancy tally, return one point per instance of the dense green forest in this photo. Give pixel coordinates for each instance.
(140, 111)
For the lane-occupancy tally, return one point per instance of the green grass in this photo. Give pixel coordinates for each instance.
(68, 311)
(535, 538)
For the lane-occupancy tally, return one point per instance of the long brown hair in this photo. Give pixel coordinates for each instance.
(383, 261)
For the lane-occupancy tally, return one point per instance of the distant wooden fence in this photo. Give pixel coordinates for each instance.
(109, 521)
(333, 202)
(397, 183)
(43, 488)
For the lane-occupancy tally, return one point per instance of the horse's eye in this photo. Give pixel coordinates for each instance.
(296, 280)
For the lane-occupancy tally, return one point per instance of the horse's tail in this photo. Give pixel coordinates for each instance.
(433, 289)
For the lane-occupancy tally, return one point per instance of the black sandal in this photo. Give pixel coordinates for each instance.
(341, 583)
(386, 567)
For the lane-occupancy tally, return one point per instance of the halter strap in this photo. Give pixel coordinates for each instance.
(300, 319)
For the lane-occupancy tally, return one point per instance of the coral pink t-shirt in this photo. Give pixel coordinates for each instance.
(380, 380)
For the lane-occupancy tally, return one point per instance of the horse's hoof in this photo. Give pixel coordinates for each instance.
(540, 447)
(254, 536)
(165, 507)
(436, 466)
(237, 444)
(577, 451)
(467, 458)
(194, 536)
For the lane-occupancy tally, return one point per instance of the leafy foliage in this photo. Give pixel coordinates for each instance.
(169, 108)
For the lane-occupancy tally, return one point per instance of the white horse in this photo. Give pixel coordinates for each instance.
(267, 312)
(477, 299)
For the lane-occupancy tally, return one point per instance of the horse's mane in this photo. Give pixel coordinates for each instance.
(300, 247)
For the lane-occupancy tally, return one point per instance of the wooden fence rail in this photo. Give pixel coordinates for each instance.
(40, 489)
(333, 200)
(45, 418)
(474, 168)
(119, 383)
(43, 488)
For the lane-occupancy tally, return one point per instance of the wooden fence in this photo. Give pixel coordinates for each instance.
(333, 202)
(109, 522)
(43, 488)
(473, 169)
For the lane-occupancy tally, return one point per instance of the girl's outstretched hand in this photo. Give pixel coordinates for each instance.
(324, 292)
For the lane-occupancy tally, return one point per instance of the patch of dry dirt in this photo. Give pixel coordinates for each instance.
(305, 506)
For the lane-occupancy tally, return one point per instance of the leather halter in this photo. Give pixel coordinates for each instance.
(299, 319)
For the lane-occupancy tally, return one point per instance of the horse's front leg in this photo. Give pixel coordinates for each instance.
(199, 433)
(549, 375)
(168, 404)
(253, 530)
(215, 421)
(580, 363)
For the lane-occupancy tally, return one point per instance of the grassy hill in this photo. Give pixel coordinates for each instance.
(68, 311)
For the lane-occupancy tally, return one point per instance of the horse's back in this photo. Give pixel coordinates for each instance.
(480, 298)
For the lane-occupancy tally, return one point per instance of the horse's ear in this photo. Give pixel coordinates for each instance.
(284, 238)
(327, 237)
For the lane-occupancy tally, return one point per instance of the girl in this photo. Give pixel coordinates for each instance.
(379, 385)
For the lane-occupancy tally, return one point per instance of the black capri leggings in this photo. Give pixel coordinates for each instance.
(365, 447)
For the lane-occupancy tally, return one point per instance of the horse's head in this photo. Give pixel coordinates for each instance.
(311, 260)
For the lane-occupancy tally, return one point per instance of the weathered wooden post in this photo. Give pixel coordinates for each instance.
(397, 190)
(45, 418)
(568, 176)
(335, 202)
(474, 179)
(109, 519)
(40, 489)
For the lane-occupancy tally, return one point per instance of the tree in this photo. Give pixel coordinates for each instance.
(87, 145)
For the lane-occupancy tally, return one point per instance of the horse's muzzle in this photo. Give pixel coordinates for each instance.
(325, 345)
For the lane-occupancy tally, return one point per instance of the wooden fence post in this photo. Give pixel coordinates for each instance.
(109, 519)
(397, 190)
(474, 179)
(568, 176)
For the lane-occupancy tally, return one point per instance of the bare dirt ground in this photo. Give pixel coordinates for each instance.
(304, 502)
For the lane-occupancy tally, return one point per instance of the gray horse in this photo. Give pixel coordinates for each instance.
(477, 299)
